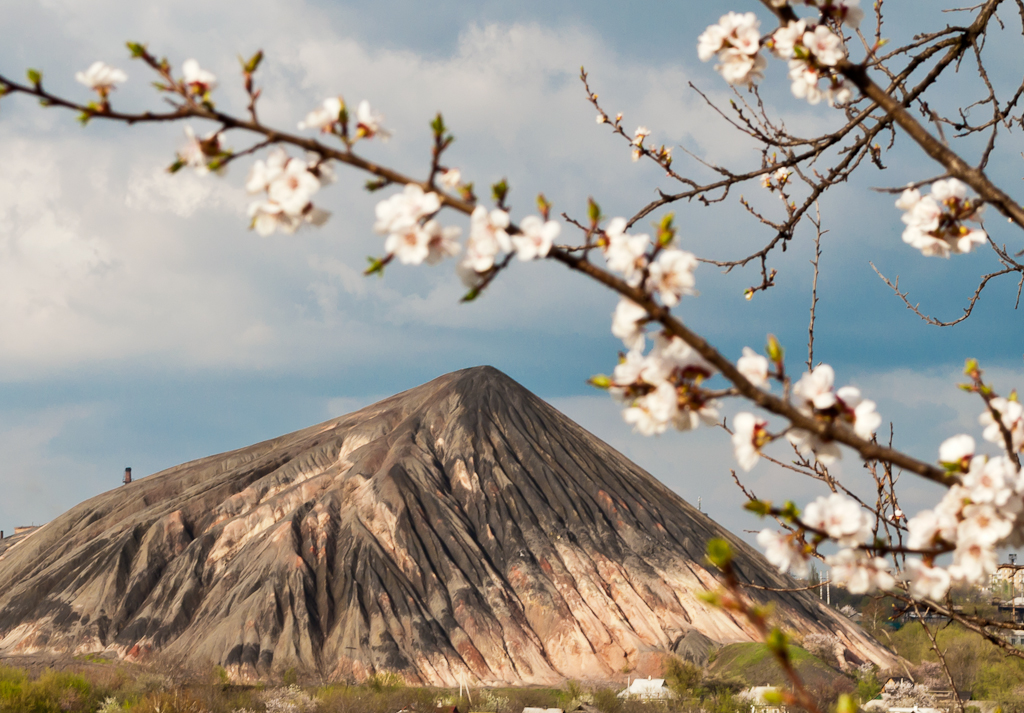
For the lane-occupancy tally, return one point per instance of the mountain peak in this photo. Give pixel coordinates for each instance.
(464, 530)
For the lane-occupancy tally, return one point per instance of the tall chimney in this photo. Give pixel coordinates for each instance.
(127, 475)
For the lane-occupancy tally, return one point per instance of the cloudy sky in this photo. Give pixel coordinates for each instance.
(143, 324)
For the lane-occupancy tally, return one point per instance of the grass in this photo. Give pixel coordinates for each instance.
(752, 664)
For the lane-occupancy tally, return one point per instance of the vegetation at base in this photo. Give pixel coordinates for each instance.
(977, 666)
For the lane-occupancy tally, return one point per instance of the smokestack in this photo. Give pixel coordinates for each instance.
(127, 475)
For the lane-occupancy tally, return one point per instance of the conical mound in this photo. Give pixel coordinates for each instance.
(462, 531)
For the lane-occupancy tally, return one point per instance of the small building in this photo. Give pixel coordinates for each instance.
(647, 689)
(1013, 609)
(894, 682)
(757, 697)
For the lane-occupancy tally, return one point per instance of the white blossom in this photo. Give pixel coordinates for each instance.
(679, 356)
(804, 81)
(825, 45)
(983, 524)
(451, 179)
(197, 152)
(737, 67)
(626, 254)
(626, 323)
(536, 238)
(403, 210)
(952, 504)
(754, 367)
(860, 572)
(990, 480)
(948, 190)
(839, 92)
(294, 187)
(929, 527)
(860, 411)
(627, 373)
(710, 41)
(935, 222)
(441, 242)
(262, 173)
(786, 38)
(736, 41)
(908, 199)
(671, 275)
(815, 388)
(840, 517)
(101, 77)
(1011, 415)
(926, 582)
(409, 245)
(865, 419)
(652, 413)
(368, 123)
(849, 13)
(266, 217)
(196, 78)
(973, 561)
(641, 133)
(325, 117)
(783, 551)
(958, 450)
(748, 434)
(487, 237)
(690, 419)
(808, 443)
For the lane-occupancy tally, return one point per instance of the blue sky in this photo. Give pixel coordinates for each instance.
(145, 326)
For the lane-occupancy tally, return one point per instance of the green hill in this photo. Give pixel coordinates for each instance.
(752, 664)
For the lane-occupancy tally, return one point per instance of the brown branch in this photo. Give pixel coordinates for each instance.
(931, 320)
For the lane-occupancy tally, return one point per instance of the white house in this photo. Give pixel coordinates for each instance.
(755, 696)
(647, 689)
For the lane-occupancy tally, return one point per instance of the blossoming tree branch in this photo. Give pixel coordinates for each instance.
(669, 376)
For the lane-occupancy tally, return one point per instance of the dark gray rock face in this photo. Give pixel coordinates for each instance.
(461, 531)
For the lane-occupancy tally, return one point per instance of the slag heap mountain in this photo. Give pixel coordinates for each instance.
(462, 531)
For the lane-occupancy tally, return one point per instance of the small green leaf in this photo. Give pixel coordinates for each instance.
(376, 184)
(774, 349)
(593, 211)
(250, 66)
(777, 641)
(84, 117)
(437, 125)
(137, 49)
(666, 231)
(971, 367)
(35, 77)
(719, 552)
(500, 191)
(176, 166)
(789, 511)
(471, 295)
(600, 381)
(376, 266)
(543, 206)
(712, 598)
(758, 507)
